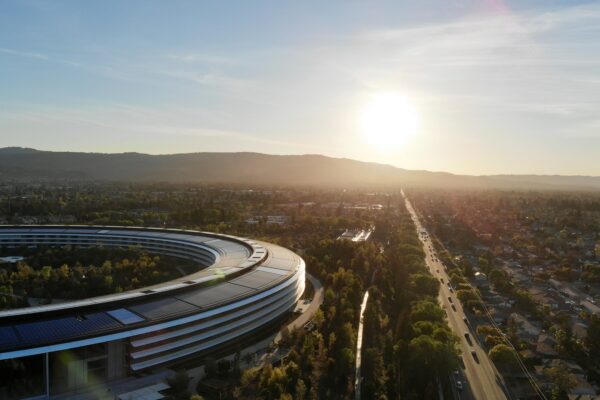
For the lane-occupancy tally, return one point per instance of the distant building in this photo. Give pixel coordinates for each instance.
(480, 277)
(269, 219)
(11, 259)
(545, 346)
(590, 307)
(526, 328)
(356, 235)
(361, 206)
(277, 219)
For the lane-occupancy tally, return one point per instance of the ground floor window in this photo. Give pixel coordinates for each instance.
(22, 377)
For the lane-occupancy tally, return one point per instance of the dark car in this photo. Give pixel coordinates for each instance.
(468, 337)
(474, 354)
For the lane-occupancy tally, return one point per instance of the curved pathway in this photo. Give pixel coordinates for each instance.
(359, 338)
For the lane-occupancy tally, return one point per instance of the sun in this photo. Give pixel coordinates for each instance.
(388, 120)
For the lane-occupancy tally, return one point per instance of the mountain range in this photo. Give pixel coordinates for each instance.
(23, 164)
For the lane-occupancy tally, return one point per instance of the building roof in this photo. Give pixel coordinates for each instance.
(231, 269)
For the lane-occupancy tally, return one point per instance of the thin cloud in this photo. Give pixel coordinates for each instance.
(214, 79)
(23, 54)
(202, 58)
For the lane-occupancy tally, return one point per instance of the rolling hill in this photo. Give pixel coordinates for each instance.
(254, 168)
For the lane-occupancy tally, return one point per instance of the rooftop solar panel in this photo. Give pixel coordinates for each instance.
(177, 236)
(197, 239)
(83, 230)
(64, 328)
(50, 230)
(281, 254)
(215, 294)
(280, 264)
(163, 308)
(8, 337)
(16, 230)
(256, 279)
(125, 316)
(272, 270)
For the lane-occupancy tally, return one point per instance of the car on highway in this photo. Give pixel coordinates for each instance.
(442, 280)
(455, 372)
(468, 337)
(453, 308)
(450, 299)
(459, 385)
(466, 321)
(475, 357)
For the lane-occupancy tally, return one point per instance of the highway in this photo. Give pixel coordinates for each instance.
(478, 377)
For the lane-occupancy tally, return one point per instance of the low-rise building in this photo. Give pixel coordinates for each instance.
(545, 346)
(590, 307)
(356, 235)
(526, 328)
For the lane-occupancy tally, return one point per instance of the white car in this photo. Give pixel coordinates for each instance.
(459, 385)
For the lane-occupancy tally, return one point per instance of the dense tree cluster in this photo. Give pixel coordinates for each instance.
(407, 346)
(63, 273)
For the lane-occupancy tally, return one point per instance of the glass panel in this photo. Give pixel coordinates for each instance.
(22, 377)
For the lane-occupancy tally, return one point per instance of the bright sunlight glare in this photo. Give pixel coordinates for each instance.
(388, 120)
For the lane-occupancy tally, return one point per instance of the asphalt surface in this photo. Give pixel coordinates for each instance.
(315, 303)
(478, 377)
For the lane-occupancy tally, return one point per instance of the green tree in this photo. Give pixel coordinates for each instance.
(562, 380)
(503, 356)
(425, 284)
(426, 310)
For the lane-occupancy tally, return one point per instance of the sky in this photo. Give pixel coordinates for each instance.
(497, 86)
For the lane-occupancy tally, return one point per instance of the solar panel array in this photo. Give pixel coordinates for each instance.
(33, 333)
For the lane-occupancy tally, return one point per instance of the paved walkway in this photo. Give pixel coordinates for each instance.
(359, 340)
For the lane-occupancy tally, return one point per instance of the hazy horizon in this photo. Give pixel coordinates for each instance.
(494, 87)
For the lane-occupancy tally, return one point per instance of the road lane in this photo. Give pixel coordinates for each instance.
(480, 375)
